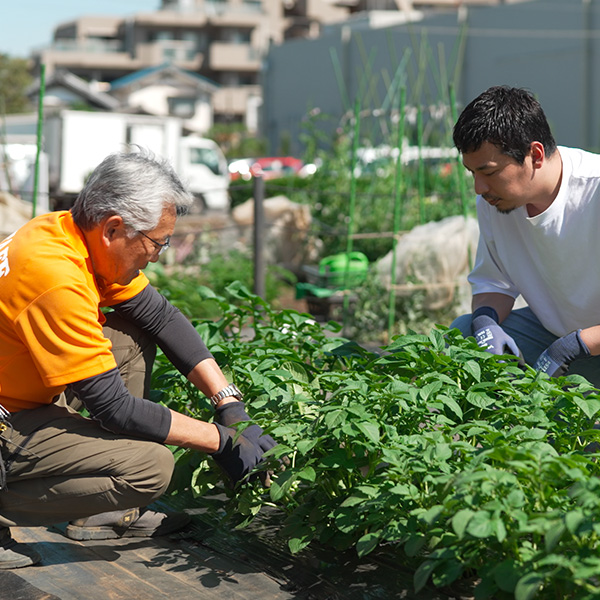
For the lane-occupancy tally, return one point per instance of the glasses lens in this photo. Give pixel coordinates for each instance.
(164, 246)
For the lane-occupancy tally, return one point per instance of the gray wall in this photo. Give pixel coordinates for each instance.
(551, 47)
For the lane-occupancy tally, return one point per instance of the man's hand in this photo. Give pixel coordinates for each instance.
(238, 458)
(234, 412)
(555, 359)
(489, 335)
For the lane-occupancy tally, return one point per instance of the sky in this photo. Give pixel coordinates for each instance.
(28, 24)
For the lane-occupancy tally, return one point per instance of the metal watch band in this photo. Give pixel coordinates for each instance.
(230, 390)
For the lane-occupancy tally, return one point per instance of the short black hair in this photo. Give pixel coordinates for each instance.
(510, 118)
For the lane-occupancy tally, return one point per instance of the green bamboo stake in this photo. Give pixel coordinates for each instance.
(460, 169)
(397, 210)
(339, 76)
(40, 124)
(421, 170)
(351, 209)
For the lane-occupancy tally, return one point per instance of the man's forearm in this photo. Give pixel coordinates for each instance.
(501, 303)
(591, 338)
(187, 432)
(209, 379)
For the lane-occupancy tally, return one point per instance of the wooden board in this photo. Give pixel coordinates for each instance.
(208, 561)
(144, 569)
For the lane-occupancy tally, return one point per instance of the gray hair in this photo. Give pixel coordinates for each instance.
(136, 186)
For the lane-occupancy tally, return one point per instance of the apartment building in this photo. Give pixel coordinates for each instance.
(224, 41)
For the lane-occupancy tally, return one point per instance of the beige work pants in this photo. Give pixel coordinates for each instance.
(62, 466)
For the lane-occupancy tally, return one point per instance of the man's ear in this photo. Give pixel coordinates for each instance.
(112, 228)
(538, 154)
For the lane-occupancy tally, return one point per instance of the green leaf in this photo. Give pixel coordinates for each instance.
(573, 519)
(437, 340)
(352, 501)
(479, 399)
(460, 521)
(472, 367)
(429, 390)
(589, 406)
(305, 446)
(553, 535)
(528, 586)
(432, 515)
(422, 574)
(499, 528)
(481, 525)
(308, 474)
(297, 544)
(334, 418)
(367, 543)
(447, 573)
(281, 484)
(414, 544)
(506, 575)
(371, 431)
(451, 403)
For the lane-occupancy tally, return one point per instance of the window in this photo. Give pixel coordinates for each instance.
(207, 157)
(185, 108)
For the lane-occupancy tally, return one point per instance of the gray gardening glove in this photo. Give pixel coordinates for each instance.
(489, 335)
(239, 458)
(557, 357)
(234, 412)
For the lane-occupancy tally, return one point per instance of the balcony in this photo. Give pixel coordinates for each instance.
(226, 56)
(90, 45)
(233, 101)
(183, 53)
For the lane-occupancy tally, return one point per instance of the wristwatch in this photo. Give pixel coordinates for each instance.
(226, 392)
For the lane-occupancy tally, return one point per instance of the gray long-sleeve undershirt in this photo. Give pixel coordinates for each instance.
(105, 395)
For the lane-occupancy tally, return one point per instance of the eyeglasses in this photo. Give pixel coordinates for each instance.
(161, 247)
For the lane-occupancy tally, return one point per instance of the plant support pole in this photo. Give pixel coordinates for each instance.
(259, 237)
(351, 209)
(40, 123)
(397, 216)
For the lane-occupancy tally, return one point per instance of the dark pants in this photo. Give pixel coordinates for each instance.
(533, 338)
(69, 467)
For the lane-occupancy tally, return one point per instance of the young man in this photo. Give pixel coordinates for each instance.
(538, 206)
(56, 273)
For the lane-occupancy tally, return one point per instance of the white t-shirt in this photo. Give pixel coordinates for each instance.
(552, 259)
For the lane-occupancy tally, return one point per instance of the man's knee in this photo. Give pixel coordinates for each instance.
(144, 474)
(158, 470)
(463, 324)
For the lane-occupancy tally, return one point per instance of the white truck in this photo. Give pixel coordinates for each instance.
(77, 141)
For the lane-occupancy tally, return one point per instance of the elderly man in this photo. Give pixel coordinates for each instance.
(56, 274)
(536, 207)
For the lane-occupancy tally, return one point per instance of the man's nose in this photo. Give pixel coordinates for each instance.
(481, 187)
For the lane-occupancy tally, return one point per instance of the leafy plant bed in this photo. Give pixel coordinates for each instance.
(315, 574)
(456, 464)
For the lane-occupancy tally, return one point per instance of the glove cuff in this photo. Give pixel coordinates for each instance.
(232, 412)
(225, 439)
(487, 311)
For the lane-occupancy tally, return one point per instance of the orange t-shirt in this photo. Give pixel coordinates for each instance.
(50, 318)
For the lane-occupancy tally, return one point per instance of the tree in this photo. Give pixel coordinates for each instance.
(14, 79)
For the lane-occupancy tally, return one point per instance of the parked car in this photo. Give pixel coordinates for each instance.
(270, 167)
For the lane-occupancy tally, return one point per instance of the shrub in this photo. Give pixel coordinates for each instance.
(451, 459)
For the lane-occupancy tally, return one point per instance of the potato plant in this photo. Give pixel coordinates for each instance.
(454, 461)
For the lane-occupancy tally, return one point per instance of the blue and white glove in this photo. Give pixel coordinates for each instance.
(489, 335)
(557, 357)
